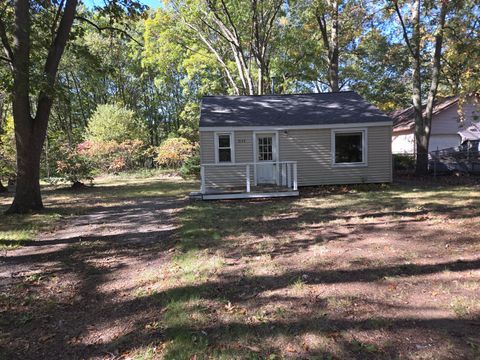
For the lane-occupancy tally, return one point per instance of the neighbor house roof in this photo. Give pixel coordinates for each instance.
(404, 119)
(346, 107)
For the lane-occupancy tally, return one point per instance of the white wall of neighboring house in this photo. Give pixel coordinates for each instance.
(445, 126)
(403, 142)
(439, 142)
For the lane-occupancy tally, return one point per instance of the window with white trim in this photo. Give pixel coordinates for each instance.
(349, 147)
(224, 147)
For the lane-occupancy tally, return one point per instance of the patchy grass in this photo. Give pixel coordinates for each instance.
(354, 272)
(353, 264)
(63, 203)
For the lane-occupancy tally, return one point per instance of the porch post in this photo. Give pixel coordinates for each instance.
(248, 178)
(295, 187)
(288, 176)
(202, 177)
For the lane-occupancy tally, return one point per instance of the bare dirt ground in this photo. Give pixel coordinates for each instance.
(355, 272)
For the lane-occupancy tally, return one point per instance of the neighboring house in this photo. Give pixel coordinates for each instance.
(447, 122)
(256, 146)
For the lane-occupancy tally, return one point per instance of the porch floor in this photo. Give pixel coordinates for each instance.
(259, 191)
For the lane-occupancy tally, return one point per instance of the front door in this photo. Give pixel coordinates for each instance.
(266, 158)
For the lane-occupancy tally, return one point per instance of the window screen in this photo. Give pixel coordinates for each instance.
(348, 147)
(224, 148)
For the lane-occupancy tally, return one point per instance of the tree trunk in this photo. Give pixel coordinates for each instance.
(423, 121)
(421, 137)
(333, 50)
(27, 194)
(30, 131)
(330, 42)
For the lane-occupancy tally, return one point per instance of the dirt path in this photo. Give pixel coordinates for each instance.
(71, 293)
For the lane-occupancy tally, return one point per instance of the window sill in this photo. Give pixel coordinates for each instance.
(349, 165)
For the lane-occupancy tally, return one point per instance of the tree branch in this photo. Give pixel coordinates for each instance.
(6, 59)
(111, 28)
(54, 56)
(5, 42)
(404, 29)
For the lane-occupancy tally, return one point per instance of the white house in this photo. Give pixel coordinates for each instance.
(264, 146)
(449, 118)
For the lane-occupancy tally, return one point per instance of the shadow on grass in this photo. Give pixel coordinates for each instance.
(181, 318)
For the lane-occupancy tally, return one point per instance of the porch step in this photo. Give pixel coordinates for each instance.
(251, 195)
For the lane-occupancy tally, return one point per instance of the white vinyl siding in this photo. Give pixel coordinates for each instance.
(312, 149)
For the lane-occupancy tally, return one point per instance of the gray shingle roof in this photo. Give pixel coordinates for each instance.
(288, 110)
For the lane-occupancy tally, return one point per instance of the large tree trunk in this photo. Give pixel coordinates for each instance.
(29, 148)
(30, 131)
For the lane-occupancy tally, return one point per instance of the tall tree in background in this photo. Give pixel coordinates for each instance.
(423, 120)
(337, 26)
(329, 30)
(239, 34)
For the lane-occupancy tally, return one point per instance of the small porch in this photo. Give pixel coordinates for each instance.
(248, 180)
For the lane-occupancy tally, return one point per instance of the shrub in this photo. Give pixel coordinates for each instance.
(112, 122)
(112, 157)
(403, 161)
(173, 152)
(7, 150)
(191, 167)
(74, 166)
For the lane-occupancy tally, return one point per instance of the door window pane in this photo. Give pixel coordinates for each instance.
(265, 148)
(348, 147)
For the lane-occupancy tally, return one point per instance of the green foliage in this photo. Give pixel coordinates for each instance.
(191, 167)
(403, 161)
(7, 149)
(74, 167)
(112, 122)
(189, 122)
(173, 152)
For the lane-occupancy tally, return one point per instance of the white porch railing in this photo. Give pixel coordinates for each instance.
(285, 173)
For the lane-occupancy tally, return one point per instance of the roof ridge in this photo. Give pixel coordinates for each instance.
(296, 94)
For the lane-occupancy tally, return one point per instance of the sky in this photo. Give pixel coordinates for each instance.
(151, 3)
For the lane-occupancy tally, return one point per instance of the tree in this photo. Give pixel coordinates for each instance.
(240, 35)
(30, 130)
(414, 44)
(336, 27)
(112, 122)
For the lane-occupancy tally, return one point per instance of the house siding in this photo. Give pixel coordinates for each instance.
(225, 176)
(311, 148)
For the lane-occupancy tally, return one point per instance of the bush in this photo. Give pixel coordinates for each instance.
(7, 150)
(403, 161)
(112, 122)
(74, 167)
(112, 157)
(173, 152)
(191, 167)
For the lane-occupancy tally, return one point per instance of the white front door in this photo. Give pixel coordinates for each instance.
(266, 158)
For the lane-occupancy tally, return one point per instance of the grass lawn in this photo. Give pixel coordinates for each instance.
(132, 269)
